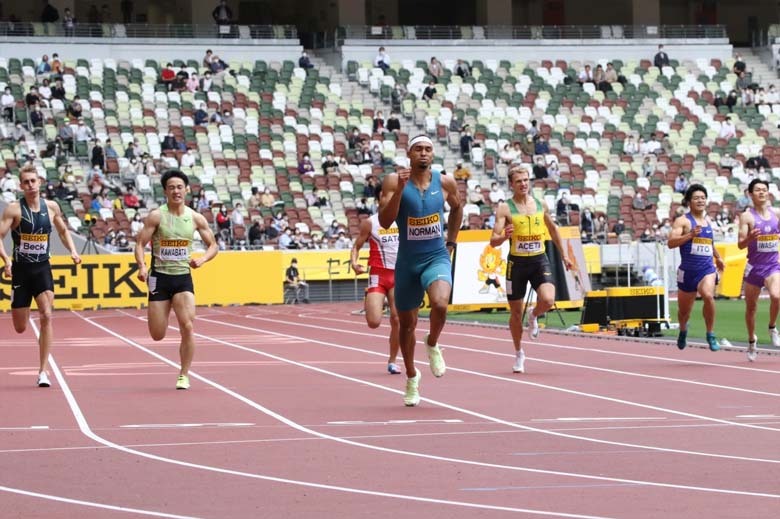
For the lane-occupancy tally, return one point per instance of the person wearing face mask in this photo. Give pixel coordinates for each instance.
(304, 62)
(267, 198)
(587, 224)
(206, 82)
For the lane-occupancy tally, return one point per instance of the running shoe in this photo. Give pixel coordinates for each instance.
(682, 339)
(412, 395)
(712, 341)
(393, 369)
(752, 350)
(183, 382)
(435, 359)
(519, 366)
(775, 335)
(533, 325)
(43, 379)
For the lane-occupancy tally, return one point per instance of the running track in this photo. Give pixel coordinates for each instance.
(291, 414)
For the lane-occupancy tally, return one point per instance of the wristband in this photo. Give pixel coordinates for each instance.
(452, 244)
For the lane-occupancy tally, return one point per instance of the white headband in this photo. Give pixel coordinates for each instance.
(420, 138)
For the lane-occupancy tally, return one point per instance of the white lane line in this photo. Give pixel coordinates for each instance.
(28, 428)
(448, 331)
(544, 361)
(184, 425)
(597, 419)
(87, 431)
(92, 504)
(299, 427)
(394, 422)
(516, 380)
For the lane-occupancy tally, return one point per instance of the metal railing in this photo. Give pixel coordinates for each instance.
(530, 32)
(137, 30)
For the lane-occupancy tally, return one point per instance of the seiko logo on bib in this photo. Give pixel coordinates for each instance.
(33, 243)
(172, 250)
(424, 228)
(767, 243)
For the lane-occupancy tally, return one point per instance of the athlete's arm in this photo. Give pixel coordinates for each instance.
(62, 230)
(202, 226)
(747, 233)
(681, 232)
(143, 238)
(556, 238)
(449, 185)
(365, 231)
(10, 218)
(503, 228)
(392, 191)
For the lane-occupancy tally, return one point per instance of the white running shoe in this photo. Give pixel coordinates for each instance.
(435, 359)
(533, 325)
(519, 366)
(43, 379)
(751, 349)
(775, 335)
(412, 395)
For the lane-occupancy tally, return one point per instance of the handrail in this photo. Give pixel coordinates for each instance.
(147, 30)
(531, 32)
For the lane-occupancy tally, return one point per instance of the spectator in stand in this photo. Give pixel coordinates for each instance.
(466, 141)
(619, 227)
(430, 91)
(661, 59)
(332, 231)
(585, 75)
(731, 100)
(354, 139)
(563, 208)
(98, 157)
(640, 203)
(648, 168)
(58, 90)
(600, 79)
(223, 219)
(219, 67)
(496, 194)
(267, 198)
(681, 183)
(131, 199)
(653, 146)
(757, 162)
(462, 69)
(167, 76)
(237, 215)
(371, 188)
(227, 118)
(36, 117)
(772, 95)
(630, 146)
(207, 81)
(8, 103)
(587, 224)
(553, 171)
(382, 60)
(44, 67)
(540, 170)
(201, 116)
(739, 64)
(533, 130)
(222, 14)
(65, 136)
(727, 130)
(600, 229)
(378, 125)
(44, 91)
(461, 172)
(206, 62)
(744, 201)
(256, 234)
(304, 62)
(329, 165)
(32, 97)
(109, 150)
(136, 225)
(305, 166)
(611, 76)
(69, 23)
(507, 155)
(75, 108)
(393, 123)
(193, 83)
(83, 132)
(343, 242)
(169, 143)
(475, 196)
(541, 147)
(397, 96)
(377, 158)
(362, 154)
(743, 81)
(435, 69)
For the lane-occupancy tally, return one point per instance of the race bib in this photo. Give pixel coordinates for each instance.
(174, 250)
(424, 228)
(34, 244)
(767, 243)
(701, 247)
(527, 245)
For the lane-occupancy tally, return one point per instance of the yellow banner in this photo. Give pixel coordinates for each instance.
(324, 265)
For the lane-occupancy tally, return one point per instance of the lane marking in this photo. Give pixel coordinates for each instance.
(92, 504)
(393, 422)
(299, 427)
(87, 431)
(184, 425)
(514, 380)
(598, 419)
(539, 487)
(28, 428)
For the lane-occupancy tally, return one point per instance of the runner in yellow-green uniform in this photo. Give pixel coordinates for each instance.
(170, 229)
(526, 221)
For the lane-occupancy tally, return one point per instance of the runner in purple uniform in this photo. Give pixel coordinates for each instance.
(759, 231)
(697, 274)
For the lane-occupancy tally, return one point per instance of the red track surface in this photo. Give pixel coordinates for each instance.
(291, 414)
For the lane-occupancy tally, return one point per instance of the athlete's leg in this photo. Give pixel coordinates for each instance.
(157, 318)
(439, 298)
(772, 284)
(516, 310)
(45, 302)
(707, 290)
(545, 299)
(184, 309)
(373, 306)
(20, 318)
(685, 301)
(751, 301)
(394, 327)
(407, 321)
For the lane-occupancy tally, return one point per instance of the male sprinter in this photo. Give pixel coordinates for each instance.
(759, 230)
(414, 198)
(522, 219)
(383, 249)
(692, 232)
(30, 222)
(170, 229)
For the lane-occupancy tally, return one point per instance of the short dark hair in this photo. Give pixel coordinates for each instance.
(173, 173)
(757, 181)
(690, 191)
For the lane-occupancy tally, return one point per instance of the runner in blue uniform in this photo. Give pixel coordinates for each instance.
(692, 232)
(414, 198)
